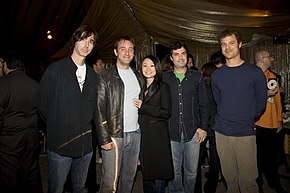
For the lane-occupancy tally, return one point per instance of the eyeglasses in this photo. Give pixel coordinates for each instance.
(270, 56)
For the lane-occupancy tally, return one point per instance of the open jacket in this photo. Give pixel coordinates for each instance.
(67, 111)
(110, 105)
(189, 104)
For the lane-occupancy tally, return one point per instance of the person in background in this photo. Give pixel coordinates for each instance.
(19, 140)
(166, 63)
(268, 127)
(190, 62)
(218, 59)
(1, 67)
(214, 172)
(118, 129)
(189, 119)
(240, 93)
(98, 66)
(67, 104)
(154, 111)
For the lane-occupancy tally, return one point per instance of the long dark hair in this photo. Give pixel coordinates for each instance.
(158, 77)
(81, 33)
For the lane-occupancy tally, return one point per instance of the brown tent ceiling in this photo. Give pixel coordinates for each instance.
(197, 22)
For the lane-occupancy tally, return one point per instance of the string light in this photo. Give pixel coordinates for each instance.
(49, 36)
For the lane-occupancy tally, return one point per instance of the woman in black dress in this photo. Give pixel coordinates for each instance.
(154, 110)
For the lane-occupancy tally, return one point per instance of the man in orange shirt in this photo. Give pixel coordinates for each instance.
(268, 126)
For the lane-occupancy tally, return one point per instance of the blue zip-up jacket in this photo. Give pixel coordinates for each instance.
(189, 104)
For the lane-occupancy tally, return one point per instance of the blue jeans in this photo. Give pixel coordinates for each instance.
(58, 168)
(184, 154)
(154, 186)
(120, 164)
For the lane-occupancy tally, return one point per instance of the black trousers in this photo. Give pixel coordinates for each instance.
(214, 170)
(19, 168)
(268, 150)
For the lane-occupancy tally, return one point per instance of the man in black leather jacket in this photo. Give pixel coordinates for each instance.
(118, 129)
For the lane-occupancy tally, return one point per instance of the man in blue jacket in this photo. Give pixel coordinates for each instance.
(189, 119)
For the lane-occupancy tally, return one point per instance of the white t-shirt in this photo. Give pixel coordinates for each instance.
(132, 90)
(81, 75)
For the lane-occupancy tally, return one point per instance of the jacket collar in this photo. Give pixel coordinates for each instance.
(187, 73)
(151, 90)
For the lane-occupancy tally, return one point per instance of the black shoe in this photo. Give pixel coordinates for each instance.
(260, 183)
(261, 189)
(223, 180)
(280, 190)
(98, 187)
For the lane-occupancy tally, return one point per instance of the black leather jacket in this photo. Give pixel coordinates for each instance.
(110, 105)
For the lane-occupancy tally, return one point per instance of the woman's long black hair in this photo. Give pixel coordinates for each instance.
(158, 77)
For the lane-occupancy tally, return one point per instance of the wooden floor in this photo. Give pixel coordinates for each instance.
(285, 177)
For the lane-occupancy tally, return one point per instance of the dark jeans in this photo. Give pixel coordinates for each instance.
(92, 175)
(154, 186)
(201, 160)
(58, 168)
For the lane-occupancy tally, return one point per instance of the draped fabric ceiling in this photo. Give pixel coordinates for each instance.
(24, 24)
(196, 22)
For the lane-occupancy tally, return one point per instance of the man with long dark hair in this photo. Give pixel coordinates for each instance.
(67, 103)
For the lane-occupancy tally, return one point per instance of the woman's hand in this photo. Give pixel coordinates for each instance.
(137, 103)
